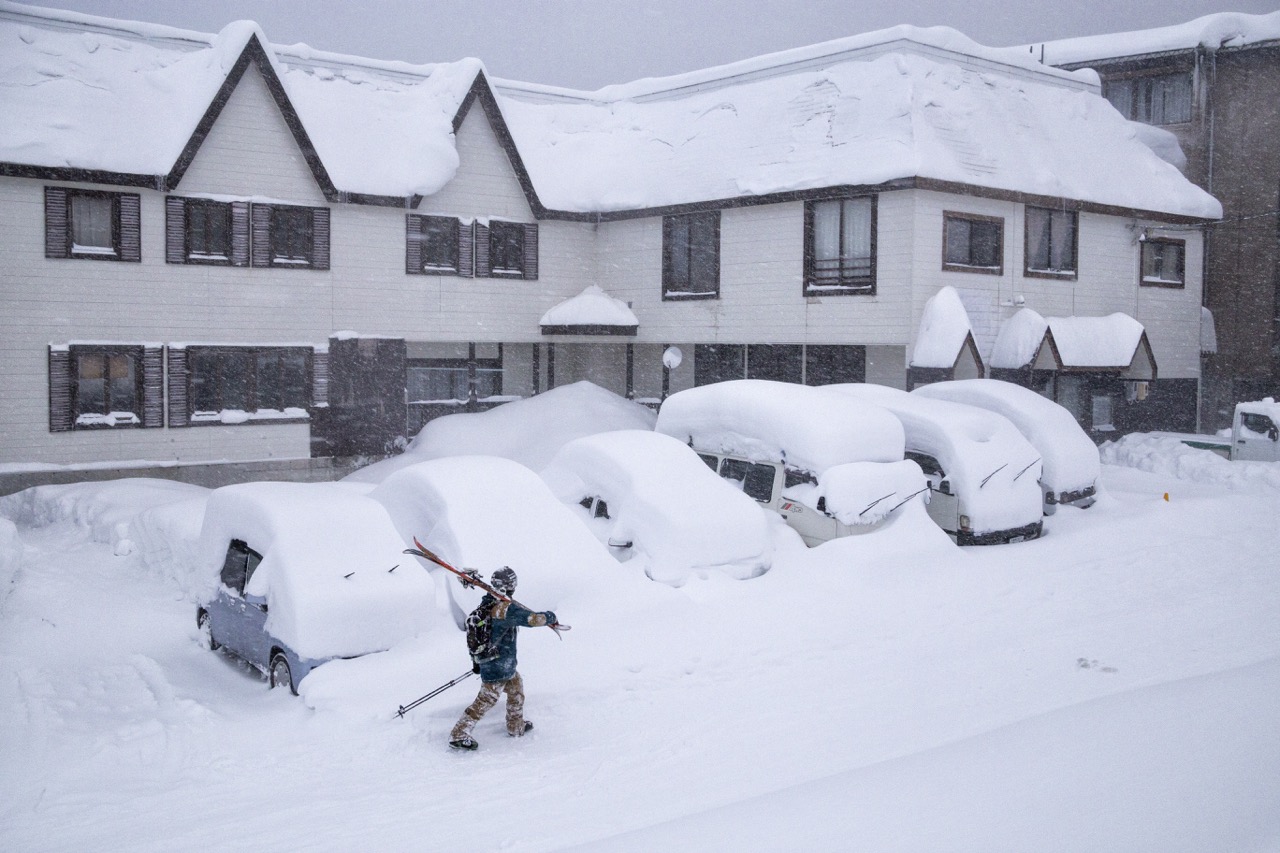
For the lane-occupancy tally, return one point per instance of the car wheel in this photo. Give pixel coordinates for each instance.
(206, 630)
(279, 673)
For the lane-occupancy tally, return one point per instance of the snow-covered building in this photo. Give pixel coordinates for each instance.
(219, 249)
(1208, 87)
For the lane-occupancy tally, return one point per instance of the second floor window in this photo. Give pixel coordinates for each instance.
(1163, 262)
(208, 225)
(291, 236)
(92, 224)
(1051, 242)
(691, 256)
(1162, 99)
(506, 248)
(439, 244)
(972, 243)
(840, 246)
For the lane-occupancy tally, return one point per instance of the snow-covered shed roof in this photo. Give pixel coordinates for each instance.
(590, 312)
(945, 332)
(913, 114)
(1114, 342)
(1211, 32)
(123, 98)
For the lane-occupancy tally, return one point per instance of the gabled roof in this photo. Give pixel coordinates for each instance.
(946, 335)
(94, 99)
(1116, 342)
(591, 312)
(1221, 31)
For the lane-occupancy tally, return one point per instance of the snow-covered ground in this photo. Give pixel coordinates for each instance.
(1110, 687)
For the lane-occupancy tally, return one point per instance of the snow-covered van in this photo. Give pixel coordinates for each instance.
(1071, 467)
(1254, 435)
(828, 465)
(982, 473)
(301, 573)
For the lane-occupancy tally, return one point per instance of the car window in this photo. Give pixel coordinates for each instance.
(754, 479)
(1260, 424)
(709, 459)
(796, 477)
(602, 509)
(927, 463)
(238, 567)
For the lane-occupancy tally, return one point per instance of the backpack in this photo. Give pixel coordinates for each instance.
(480, 641)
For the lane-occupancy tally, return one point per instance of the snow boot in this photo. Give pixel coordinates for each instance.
(466, 743)
(528, 727)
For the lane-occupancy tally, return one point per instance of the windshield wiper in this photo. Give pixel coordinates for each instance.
(993, 473)
(1024, 470)
(874, 502)
(909, 497)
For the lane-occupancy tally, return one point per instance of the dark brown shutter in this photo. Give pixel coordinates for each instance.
(320, 238)
(531, 250)
(178, 414)
(55, 222)
(59, 390)
(260, 216)
(466, 249)
(320, 378)
(413, 244)
(130, 227)
(482, 250)
(175, 230)
(153, 386)
(239, 233)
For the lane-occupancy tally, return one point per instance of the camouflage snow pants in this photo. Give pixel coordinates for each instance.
(487, 698)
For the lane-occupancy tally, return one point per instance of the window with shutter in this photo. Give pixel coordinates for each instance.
(234, 384)
(433, 245)
(93, 225)
(104, 387)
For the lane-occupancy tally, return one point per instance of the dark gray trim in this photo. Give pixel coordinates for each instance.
(152, 387)
(59, 390)
(591, 329)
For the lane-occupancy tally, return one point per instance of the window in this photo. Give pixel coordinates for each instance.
(1163, 99)
(779, 362)
(827, 364)
(94, 225)
(691, 256)
(230, 384)
(1163, 262)
(439, 244)
(505, 249)
(239, 565)
(290, 237)
(840, 246)
(107, 386)
(718, 363)
(208, 231)
(1051, 243)
(972, 243)
(753, 478)
(435, 380)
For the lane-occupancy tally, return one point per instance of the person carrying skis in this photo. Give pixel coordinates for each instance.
(494, 658)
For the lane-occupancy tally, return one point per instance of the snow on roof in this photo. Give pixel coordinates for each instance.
(529, 431)
(485, 512)
(1018, 340)
(900, 115)
(1109, 341)
(1266, 406)
(990, 466)
(781, 421)
(1211, 32)
(94, 93)
(680, 515)
(591, 307)
(327, 554)
(944, 327)
(1070, 457)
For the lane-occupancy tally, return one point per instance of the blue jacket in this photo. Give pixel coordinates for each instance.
(506, 618)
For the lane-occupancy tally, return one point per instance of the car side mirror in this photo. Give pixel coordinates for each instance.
(822, 504)
(1273, 434)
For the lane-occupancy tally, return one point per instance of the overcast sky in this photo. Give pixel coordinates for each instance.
(591, 43)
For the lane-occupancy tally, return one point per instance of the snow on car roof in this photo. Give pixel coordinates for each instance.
(1266, 406)
(681, 516)
(326, 573)
(781, 421)
(485, 512)
(1070, 457)
(991, 467)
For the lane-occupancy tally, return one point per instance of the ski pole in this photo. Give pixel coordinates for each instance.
(404, 709)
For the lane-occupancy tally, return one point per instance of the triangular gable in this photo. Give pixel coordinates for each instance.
(254, 53)
(482, 92)
(968, 364)
(1143, 366)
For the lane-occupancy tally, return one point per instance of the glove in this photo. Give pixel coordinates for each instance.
(551, 617)
(475, 667)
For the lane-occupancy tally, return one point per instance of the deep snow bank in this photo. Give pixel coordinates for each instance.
(1172, 458)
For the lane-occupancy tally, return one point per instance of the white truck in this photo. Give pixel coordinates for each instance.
(1255, 434)
(830, 466)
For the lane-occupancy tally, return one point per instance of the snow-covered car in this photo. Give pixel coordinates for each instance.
(301, 574)
(485, 512)
(1071, 466)
(982, 473)
(652, 499)
(813, 458)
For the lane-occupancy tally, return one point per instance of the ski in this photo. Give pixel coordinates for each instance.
(472, 578)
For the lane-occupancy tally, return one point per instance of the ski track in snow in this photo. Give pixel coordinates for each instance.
(123, 732)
